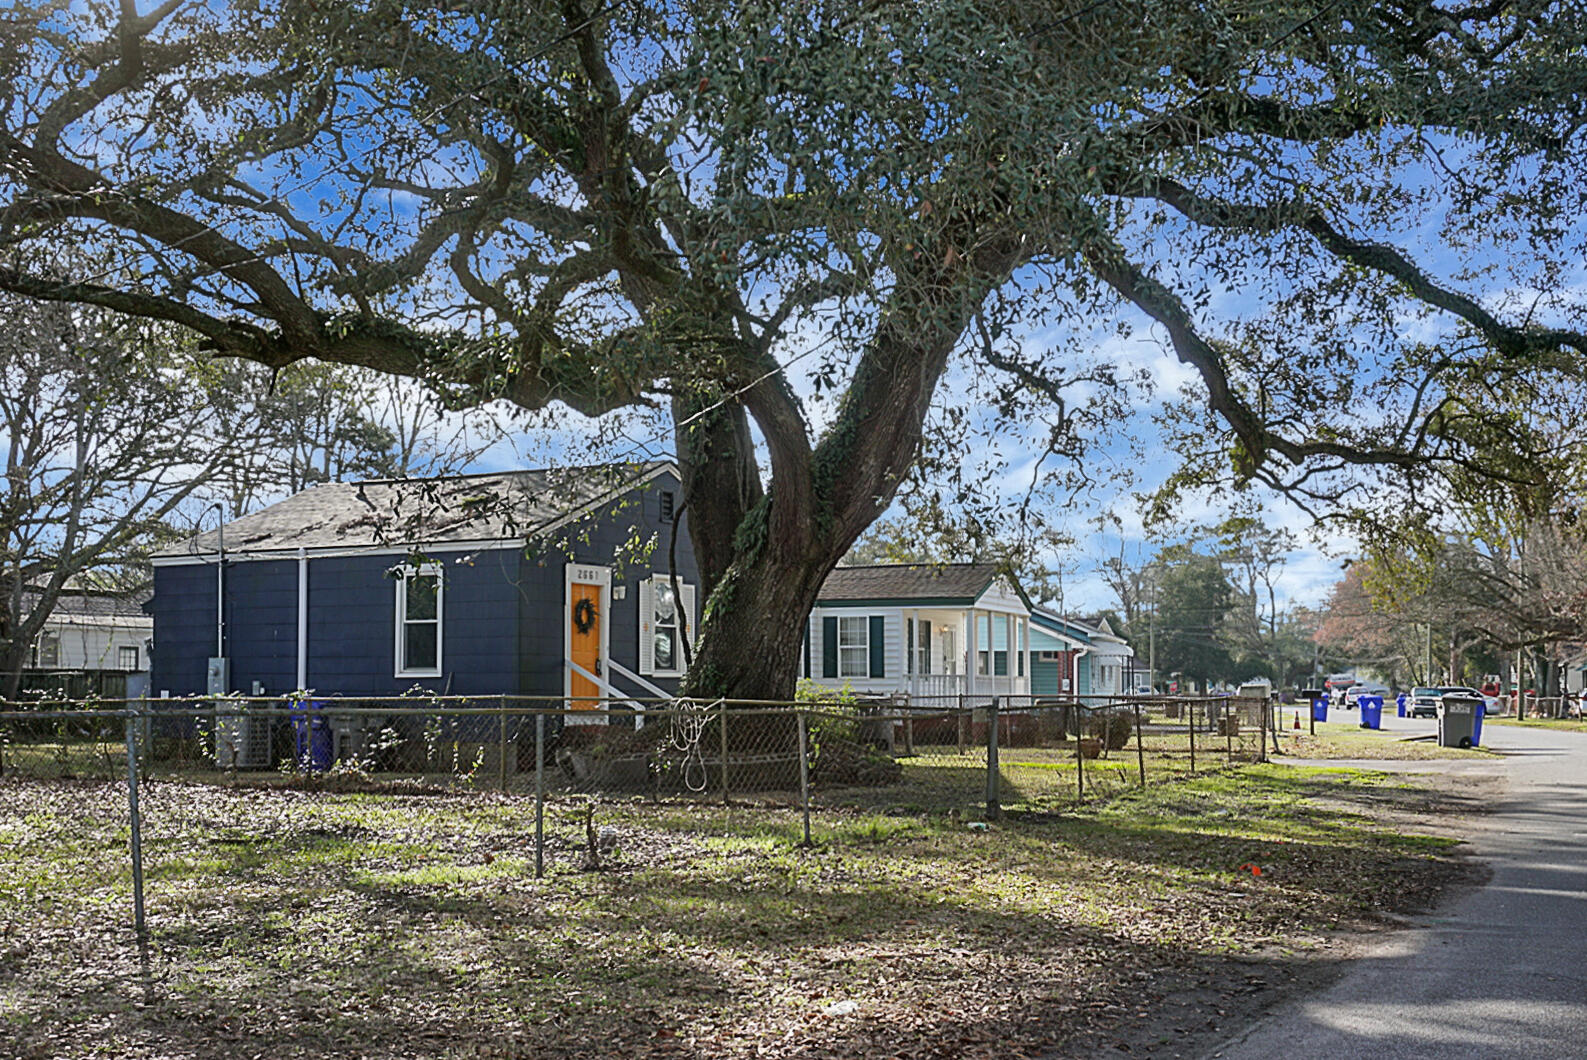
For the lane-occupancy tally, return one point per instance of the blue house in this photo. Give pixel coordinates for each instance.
(576, 583)
(1074, 658)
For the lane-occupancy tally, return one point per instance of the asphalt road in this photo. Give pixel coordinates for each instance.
(1500, 970)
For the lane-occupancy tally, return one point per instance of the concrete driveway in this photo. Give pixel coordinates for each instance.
(1501, 971)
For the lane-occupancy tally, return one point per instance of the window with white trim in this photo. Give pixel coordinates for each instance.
(127, 657)
(47, 649)
(666, 617)
(854, 646)
(419, 622)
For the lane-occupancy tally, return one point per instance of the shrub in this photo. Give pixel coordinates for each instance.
(1113, 728)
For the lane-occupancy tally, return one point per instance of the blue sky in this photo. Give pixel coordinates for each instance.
(1128, 458)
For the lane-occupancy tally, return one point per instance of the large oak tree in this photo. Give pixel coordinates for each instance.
(713, 207)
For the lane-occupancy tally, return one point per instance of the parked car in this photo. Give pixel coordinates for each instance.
(1424, 702)
(1355, 692)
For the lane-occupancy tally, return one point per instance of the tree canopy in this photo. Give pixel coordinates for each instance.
(722, 210)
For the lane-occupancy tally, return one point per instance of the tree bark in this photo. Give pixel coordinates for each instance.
(820, 499)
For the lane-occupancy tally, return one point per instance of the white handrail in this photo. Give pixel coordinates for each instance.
(623, 671)
(608, 692)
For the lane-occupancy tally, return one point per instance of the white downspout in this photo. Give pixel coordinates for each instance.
(220, 587)
(303, 619)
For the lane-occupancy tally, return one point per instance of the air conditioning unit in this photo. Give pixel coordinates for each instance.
(242, 742)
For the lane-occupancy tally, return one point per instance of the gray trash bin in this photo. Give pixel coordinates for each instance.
(1457, 720)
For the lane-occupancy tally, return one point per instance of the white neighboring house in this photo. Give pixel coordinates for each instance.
(1109, 661)
(94, 630)
(920, 629)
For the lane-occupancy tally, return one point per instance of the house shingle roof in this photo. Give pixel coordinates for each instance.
(908, 581)
(386, 513)
(93, 604)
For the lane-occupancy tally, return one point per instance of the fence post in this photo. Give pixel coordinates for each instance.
(722, 724)
(1080, 754)
(135, 818)
(1269, 725)
(1229, 723)
(1190, 714)
(501, 741)
(963, 725)
(993, 807)
(1140, 746)
(804, 775)
(540, 795)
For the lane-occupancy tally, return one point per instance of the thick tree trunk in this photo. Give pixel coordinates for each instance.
(821, 498)
(721, 484)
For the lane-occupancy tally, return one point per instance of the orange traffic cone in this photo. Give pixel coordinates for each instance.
(1297, 719)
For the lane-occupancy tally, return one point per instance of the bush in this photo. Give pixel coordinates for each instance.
(1114, 729)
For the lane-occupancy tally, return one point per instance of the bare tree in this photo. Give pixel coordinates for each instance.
(105, 436)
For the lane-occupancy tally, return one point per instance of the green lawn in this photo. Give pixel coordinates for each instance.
(1562, 724)
(1346, 739)
(288, 923)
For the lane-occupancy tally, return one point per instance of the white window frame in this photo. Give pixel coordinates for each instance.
(121, 656)
(402, 669)
(52, 639)
(863, 645)
(648, 625)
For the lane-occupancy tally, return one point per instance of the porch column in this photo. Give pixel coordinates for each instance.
(973, 649)
(1012, 666)
(1024, 633)
(911, 629)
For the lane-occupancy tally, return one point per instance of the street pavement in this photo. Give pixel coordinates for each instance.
(1498, 971)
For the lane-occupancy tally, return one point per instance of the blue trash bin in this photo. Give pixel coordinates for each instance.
(1319, 709)
(1476, 725)
(313, 745)
(1371, 711)
(1399, 704)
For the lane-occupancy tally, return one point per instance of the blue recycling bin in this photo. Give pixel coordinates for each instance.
(314, 748)
(1476, 725)
(1399, 704)
(1371, 711)
(1319, 709)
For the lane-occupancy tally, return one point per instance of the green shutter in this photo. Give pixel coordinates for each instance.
(878, 646)
(925, 642)
(829, 646)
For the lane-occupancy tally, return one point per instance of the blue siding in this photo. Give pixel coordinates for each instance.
(262, 624)
(596, 540)
(184, 628)
(504, 610)
(352, 625)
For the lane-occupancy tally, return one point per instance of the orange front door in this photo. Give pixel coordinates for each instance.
(584, 622)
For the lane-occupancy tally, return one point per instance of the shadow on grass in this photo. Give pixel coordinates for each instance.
(308, 947)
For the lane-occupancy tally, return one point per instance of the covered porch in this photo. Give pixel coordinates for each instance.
(976, 651)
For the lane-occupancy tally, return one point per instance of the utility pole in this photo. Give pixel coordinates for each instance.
(1427, 660)
(1151, 638)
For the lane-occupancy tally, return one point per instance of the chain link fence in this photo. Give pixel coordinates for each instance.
(559, 767)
